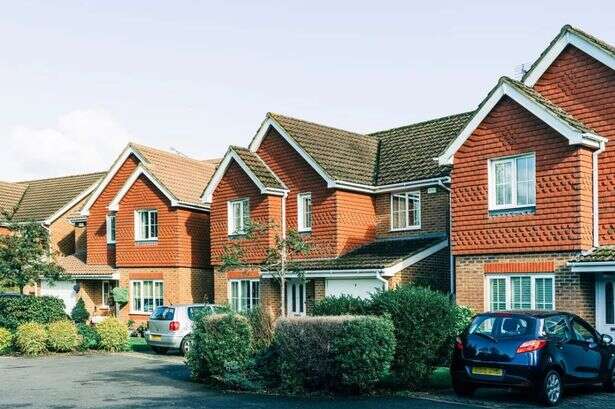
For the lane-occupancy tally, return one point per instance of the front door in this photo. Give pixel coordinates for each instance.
(295, 298)
(605, 304)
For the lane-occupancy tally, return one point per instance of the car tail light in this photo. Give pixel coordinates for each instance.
(533, 345)
(174, 326)
(458, 344)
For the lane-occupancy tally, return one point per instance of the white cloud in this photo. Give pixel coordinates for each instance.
(80, 141)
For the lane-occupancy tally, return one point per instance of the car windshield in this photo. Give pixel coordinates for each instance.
(497, 326)
(163, 314)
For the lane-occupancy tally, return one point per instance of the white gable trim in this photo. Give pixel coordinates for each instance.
(221, 170)
(70, 205)
(574, 136)
(114, 206)
(391, 271)
(271, 123)
(128, 150)
(556, 49)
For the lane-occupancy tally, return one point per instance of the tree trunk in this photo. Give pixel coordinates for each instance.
(282, 294)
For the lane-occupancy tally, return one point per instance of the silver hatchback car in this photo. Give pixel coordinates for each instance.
(170, 327)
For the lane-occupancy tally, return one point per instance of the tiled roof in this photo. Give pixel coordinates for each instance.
(10, 195)
(376, 255)
(42, 198)
(184, 177)
(259, 168)
(75, 265)
(603, 253)
(407, 153)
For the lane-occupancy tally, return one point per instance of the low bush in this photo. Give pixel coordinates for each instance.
(15, 311)
(6, 341)
(341, 305)
(62, 336)
(80, 314)
(221, 344)
(89, 337)
(113, 335)
(31, 339)
(262, 323)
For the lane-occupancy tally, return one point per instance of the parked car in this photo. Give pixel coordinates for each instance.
(536, 350)
(171, 326)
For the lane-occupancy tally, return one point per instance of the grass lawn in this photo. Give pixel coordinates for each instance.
(137, 344)
(441, 379)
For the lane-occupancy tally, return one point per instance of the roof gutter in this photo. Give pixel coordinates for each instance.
(342, 184)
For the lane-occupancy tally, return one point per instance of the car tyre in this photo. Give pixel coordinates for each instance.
(463, 389)
(160, 350)
(185, 345)
(551, 389)
(609, 382)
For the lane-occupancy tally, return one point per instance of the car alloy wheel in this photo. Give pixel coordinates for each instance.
(552, 388)
(185, 346)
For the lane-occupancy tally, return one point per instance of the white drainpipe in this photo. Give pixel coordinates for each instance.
(595, 194)
(384, 281)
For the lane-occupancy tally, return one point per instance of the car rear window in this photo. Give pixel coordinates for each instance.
(194, 312)
(163, 314)
(500, 326)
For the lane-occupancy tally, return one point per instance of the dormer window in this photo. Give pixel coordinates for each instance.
(512, 182)
(405, 211)
(238, 216)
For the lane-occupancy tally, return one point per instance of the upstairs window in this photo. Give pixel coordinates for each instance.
(146, 225)
(406, 211)
(512, 182)
(238, 216)
(111, 229)
(304, 212)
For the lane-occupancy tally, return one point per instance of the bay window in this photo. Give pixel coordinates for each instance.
(238, 216)
(146, 225)
(244, 294)
(406, 211)
(146, 295)
(512, 182)
(521, 292)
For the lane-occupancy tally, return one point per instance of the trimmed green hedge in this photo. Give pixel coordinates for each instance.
(62, 336)
(15, 311)
(113, 335)
(262, 323)
(341, 305)
(6, 341)
(31, 339)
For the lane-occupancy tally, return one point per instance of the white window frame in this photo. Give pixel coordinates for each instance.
(244, 207)
(108, 284)
(111, 232)
(301, 212)
(138, 233)
(508, 287)
(252, 302)
(406, 196)
(133, 310)
(491, 163)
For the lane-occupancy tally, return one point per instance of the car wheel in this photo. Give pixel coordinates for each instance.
(463, 389)
(160, 350)
(609, 382)
(551, 390)
(185, 345)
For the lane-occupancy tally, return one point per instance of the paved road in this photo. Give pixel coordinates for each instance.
(135, 380)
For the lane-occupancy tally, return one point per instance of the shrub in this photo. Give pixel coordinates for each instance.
(6, 341)
(80, 314)
(89, 337)
(31, 339)
(113, 335)
(341, 305)
(221, 343)
(364, 351)
(62, 336)
(425, 321)
(15, 311)
(262, 323)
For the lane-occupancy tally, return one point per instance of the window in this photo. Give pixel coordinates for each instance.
(146, 295)
(304, 212)
(406, 211)
(111, 229)
(582, 332)
(146, 225)
(556, 327)
(244, 294)
(609, 302)
(496, 328)
(238, 216)
(163, 314)
(512, 182)
(517, 292)
(106, 293)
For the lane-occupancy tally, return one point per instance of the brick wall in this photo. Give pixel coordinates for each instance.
(573, 292)
(562, 220)
(432, 272)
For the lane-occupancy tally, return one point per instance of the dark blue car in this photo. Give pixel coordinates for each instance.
(537, 350)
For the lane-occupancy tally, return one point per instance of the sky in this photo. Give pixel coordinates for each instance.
(80, 79)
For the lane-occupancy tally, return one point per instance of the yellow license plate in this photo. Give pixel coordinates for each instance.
(478, 370)
(155, 337)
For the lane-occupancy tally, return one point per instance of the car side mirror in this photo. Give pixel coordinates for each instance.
(606, 339)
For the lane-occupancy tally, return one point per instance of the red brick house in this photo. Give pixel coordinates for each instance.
(374, 208)
(532, 181)
(147, 231)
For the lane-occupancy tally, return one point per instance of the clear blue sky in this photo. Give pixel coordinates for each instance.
(81, 79)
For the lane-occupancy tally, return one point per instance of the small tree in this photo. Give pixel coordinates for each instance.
(25, 255)
(80, 314)
(280, 259)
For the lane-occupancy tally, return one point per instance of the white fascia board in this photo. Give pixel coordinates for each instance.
(559, 46)
(592, 267)
(140, 170)
(328, 274)
(392, 187)
(574, 136)
(70, 205)
(97, 277)
(260, 135)
(128, 150)
(391, 271)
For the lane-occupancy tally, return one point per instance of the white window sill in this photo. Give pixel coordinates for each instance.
(110, 242)
(146, 240)
(140, 313)
(411, 228)
(304, 230)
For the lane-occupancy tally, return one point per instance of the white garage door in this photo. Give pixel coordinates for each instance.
(355, 287)
(64, 290)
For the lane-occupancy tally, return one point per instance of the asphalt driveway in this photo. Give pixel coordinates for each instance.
(137, 380)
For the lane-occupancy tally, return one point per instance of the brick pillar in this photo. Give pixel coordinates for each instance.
(220, 287)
